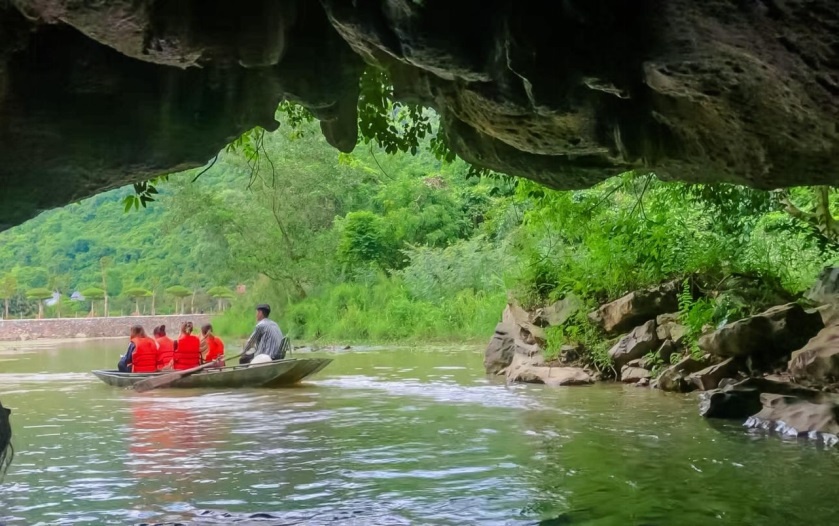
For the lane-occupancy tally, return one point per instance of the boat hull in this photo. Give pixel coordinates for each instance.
(273, 374)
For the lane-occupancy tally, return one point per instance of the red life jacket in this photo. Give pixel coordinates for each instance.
(188, 353)
(165, 351)
(144, 358)
(216, 348)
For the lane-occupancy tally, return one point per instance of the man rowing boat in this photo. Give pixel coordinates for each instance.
(267, 339)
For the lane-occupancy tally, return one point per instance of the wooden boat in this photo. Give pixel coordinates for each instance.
(273, 374)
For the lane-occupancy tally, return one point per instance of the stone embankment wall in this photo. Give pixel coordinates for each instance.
(93, 327)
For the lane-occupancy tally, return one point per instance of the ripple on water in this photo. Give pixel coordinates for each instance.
(419, 441)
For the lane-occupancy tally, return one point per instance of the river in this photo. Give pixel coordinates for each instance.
(397, 436)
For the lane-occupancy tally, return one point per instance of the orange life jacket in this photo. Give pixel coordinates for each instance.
(188, 353)
(144, 358)
(165, 351)
(216, 348)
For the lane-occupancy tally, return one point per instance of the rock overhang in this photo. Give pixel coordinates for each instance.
(97, 95)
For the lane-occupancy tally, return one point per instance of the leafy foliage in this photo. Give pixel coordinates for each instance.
(93, 293)
(144, 193)
(39, 294)
(178, 291)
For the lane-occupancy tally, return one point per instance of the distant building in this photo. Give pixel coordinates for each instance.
(76, 296)
(52, 301)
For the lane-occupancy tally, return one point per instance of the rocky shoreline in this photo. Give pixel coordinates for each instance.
(776, 370)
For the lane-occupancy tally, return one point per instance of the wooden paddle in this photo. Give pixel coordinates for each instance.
(163, 380)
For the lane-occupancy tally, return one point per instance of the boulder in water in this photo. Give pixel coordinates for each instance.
(740, 400)
(637, 307)
(634, 345)
(794, 417)
(515, 334)
(766, 337)
(818, 361)
(535, 371)
(500, 351)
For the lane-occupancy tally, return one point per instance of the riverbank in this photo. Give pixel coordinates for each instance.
(755, 354)
(74, 328)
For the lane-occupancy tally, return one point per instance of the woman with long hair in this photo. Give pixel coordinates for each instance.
(165, 349)
(188, 351)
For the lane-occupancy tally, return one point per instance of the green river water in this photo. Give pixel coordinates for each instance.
(397, 436)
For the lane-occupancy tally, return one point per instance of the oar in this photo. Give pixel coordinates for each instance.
(163, 380)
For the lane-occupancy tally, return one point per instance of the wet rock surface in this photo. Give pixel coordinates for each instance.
(718, 91)
(740, 400)
(795, 417)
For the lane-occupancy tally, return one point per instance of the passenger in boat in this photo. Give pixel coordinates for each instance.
(141, 356)
(267, 338)
(188, 351)
(212, 348)
(165, 349)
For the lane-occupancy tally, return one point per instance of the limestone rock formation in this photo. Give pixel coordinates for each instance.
(558, 312)
(512, 336)
(675, 377)
(669, 328)
(637, 307)
(666, 350)
(711, 376)
(500, 351)
(794, 417)
(818, 361)
(636, 344)
(741, 400)
(631, 375)
(825, 294)
(534, 370)
(98, 94)
(826, 287)
(766, 337)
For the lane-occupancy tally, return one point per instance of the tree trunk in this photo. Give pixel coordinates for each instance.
(192, 303)
(137, 306)
(6, 308)
(40, 310)
(105, 308)
(152, 304)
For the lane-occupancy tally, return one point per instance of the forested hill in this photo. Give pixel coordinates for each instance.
(65, 249)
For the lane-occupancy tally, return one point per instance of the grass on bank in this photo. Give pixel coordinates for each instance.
(382, 311)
